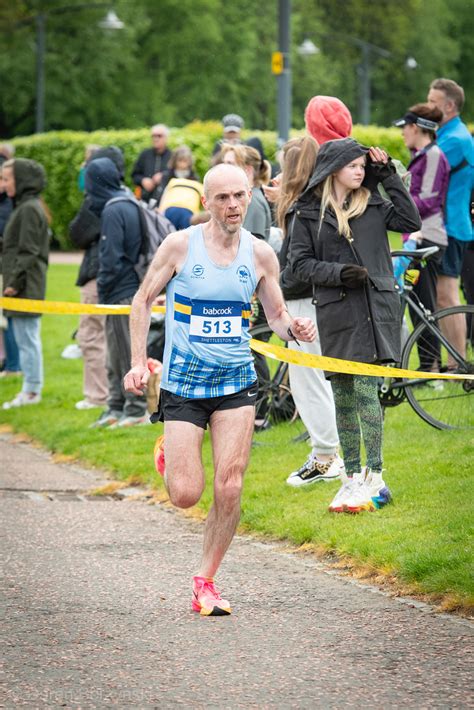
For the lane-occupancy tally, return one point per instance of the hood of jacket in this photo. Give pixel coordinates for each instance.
(30, 178)
(102, 183)
(332, 157)
(115, 155)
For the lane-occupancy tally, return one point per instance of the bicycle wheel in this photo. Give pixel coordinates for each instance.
(445, 404)
(274, 402)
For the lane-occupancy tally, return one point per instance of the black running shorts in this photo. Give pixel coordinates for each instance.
(172, 407)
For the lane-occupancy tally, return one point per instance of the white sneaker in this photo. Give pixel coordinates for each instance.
(10, 373)
(344, 492)
(436, 385)
(22, 399)
(106, 419)
(314, 470)
(379, 491)
(361, 495)
(85, 404)
(72, 352)
(131, 421)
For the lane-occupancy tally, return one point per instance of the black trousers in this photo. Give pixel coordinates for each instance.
(425, 289)
(467, 285)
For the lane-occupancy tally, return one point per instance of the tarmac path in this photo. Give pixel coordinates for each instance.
(96, 614)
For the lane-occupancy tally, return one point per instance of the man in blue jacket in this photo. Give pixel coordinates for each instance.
(456, 143)
(117, 283)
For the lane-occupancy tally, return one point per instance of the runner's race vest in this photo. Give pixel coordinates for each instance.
(207, 350)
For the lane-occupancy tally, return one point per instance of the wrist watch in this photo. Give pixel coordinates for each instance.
(290, 333)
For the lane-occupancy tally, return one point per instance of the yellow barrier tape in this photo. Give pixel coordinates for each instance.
(332, 364)
(276, 352)
(28, 305)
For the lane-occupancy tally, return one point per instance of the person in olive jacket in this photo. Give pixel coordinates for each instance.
(25, 263)
(339, 245)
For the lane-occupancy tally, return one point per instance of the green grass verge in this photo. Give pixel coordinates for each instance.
(424, 538)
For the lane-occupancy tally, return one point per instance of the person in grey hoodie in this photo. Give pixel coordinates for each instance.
(25, 263)
(339, 245)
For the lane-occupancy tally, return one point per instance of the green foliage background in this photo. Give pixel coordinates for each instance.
(180, 60)
(62, 153)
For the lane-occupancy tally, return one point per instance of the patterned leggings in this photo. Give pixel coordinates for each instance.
(358, 412)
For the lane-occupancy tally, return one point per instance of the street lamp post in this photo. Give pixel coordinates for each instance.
(284, 77)
(365, 93)
(364, 69)
(111, 22)
(40, 55)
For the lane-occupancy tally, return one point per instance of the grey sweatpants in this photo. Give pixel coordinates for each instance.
(118, 364)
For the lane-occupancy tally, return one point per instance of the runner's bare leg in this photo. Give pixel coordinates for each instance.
(184, 472)
(231, 433)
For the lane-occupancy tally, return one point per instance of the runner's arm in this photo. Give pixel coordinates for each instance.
(271, 297)
(167, 261)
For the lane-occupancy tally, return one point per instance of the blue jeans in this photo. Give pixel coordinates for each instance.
(12, 360)
(27, 336)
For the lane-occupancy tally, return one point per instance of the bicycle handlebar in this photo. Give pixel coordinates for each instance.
(417, 254)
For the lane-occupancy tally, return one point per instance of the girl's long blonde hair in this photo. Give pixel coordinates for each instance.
(354, 205)
(299, 158)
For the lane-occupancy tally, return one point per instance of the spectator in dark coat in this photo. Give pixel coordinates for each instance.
(148, 171)
(11, 363)
(117, 282)
(339, 244)
(232, 127)
(84, 231)
(25, 263)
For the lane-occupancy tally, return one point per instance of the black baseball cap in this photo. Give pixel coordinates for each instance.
(419, 121)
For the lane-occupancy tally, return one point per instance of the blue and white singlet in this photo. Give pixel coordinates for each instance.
(207, 322)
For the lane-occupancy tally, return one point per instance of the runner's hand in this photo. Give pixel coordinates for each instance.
(136, 379)
(303, 329)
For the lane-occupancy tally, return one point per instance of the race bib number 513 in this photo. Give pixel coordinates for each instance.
(216, 322)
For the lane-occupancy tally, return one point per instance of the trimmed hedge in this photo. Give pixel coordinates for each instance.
(62, 153)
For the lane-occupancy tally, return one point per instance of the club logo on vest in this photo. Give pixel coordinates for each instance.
(243, 273)
(197, 271)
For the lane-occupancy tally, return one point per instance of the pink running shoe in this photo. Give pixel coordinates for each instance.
(159, 455)
(207, 599)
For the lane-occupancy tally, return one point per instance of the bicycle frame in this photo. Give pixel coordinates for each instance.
(393, 391)
(409, 298)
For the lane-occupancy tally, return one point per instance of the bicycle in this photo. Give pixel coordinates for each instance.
(444, 404)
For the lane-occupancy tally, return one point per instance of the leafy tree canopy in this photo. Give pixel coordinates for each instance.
(180, 60)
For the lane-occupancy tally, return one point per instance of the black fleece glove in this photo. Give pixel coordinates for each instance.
(382, 171)
(354, 276)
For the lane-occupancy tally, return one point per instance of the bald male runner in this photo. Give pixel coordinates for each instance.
(211, 272)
